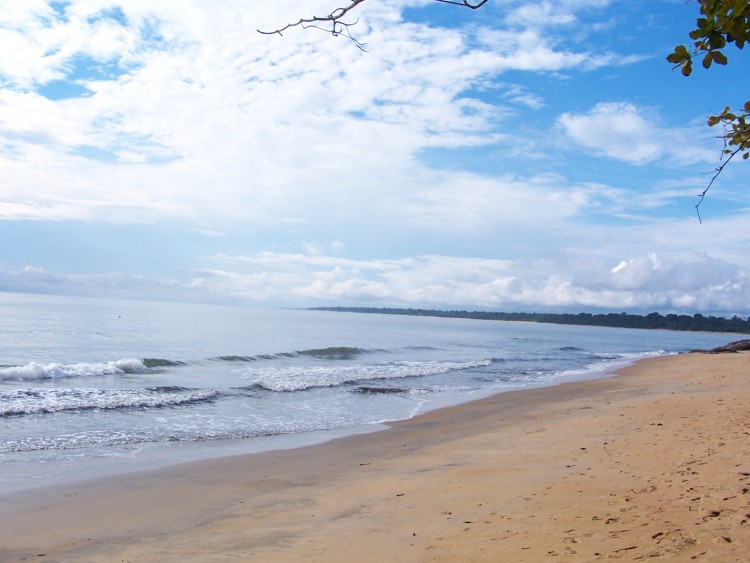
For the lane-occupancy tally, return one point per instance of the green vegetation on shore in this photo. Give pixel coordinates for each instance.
(697, 322)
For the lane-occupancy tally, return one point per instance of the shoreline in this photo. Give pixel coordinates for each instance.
(161, 455)
(653, 463)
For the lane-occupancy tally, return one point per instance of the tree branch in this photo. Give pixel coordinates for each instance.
(465, 3)
(717, 171)
(333, 24)
(337, 27)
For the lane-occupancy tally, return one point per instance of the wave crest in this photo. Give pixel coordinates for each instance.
(331, 353)
(298, 378)
(34, 370)
(45, 401)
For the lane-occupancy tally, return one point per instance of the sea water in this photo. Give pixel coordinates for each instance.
(92, 386)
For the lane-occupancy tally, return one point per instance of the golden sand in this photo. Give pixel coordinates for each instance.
(651, 465)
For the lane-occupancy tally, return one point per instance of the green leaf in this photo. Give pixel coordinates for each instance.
(707, 60)
(674, 58)
(687, 68)
(717, 41)
(682, 51)
(719, 57)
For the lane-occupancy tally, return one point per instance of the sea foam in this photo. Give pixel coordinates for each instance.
(36, 370)
(17, 402)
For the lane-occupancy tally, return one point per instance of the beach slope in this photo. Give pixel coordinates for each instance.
(653, 464)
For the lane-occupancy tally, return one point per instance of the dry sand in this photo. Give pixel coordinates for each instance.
(653, 464)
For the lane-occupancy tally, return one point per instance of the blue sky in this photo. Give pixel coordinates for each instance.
(524, 156)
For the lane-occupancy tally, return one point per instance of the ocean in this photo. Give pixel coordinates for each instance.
(91, 387)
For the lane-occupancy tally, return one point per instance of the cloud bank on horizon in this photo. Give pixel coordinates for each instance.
(525, 156)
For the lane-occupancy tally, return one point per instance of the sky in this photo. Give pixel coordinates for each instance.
(526, 156)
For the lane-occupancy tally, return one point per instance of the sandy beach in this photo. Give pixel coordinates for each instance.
(653, 464)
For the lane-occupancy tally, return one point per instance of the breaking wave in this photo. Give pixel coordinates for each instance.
(18, 402)
(36, 370)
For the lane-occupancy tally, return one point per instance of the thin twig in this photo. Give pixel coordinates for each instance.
(338, 27)
(717, 171)
(465, 3)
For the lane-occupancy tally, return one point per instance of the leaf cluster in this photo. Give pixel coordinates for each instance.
(722, 23)
(736, 130)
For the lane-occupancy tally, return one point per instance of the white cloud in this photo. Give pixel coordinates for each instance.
(673, 282)
(532, 50)
(538, 37)
(667, 282)
(626, 132)
(213, 122)
(249, 117)
(520, 95)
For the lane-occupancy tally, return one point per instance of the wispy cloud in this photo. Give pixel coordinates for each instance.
(626, 132)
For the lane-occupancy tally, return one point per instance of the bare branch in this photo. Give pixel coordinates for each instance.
(337, 27)
(717, 171)
(333, 24)
(465, 3)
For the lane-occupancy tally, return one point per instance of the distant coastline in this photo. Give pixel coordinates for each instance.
(695, 323)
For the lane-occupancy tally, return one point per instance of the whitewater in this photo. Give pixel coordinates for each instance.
(94, 386)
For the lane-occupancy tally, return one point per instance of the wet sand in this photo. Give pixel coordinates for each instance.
(651, 465)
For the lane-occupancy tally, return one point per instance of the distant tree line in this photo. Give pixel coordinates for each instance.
(696, 322)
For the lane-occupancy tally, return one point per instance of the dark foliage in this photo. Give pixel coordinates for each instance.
(696, 322)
